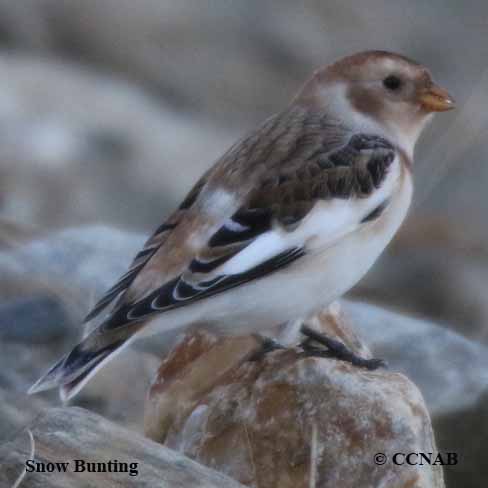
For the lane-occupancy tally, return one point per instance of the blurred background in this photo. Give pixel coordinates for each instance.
(110, 110)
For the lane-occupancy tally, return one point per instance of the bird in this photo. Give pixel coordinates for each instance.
(290, 218)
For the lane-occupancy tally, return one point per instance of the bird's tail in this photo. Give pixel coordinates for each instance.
(74, 369)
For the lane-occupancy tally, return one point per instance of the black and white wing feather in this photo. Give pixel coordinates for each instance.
(151, 246)
(253, 241)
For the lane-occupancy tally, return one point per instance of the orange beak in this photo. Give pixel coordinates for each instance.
(436, 99)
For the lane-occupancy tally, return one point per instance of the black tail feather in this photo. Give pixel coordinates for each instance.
(76, 368)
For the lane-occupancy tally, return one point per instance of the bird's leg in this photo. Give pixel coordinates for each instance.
(335, 349)
(267, 345)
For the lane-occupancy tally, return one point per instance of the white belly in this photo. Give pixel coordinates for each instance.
(300, 289)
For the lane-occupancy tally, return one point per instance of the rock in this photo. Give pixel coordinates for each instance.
(450, 371)
(24, 25)
(434, 357)
(118, 390)
(22, 363)
(465, 431)
(437, 269)
(17, 411)
(205, 361)
(13, 234)
(288, 420)
(58, 277)
(62, 163)
(67, 434)
(191, 57)
(77, 265)
(38, 319)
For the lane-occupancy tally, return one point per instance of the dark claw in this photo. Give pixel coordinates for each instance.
(370, 364)
(335, 349)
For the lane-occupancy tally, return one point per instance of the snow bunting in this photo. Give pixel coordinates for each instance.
(285, 222)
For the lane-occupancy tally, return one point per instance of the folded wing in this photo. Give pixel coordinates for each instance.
(269, 230)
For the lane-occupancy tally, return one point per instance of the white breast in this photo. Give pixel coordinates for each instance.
(349, 258)
(328, 222)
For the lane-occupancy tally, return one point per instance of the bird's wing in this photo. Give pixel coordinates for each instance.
(247, 217)
(142, 258)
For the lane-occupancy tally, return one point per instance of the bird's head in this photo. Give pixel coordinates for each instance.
(377, 90)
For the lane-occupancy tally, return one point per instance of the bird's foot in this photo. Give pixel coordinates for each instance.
(335, 349)
(267, 345)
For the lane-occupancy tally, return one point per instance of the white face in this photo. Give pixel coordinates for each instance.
(395, 88)
(377, 92)
(381, 96)
(397, 129)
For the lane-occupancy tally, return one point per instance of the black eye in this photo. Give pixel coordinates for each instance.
(392, 83)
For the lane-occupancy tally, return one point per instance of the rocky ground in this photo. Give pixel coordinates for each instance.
(72, 435)
(448, 369)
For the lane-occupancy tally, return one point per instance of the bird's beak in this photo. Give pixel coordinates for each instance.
(436, 99)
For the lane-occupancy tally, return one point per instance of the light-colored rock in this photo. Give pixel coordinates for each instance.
(117, 392)
(64, 435)
(287, 420)
(17, 411)
(64, 163)
(450, 370)
(452, 373)
(199, 363)
(77, 265)
(191, 56)
(70, 269)
(437, 268)
(21, 363)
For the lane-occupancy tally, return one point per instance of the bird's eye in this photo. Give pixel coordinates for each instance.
(392, 83)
